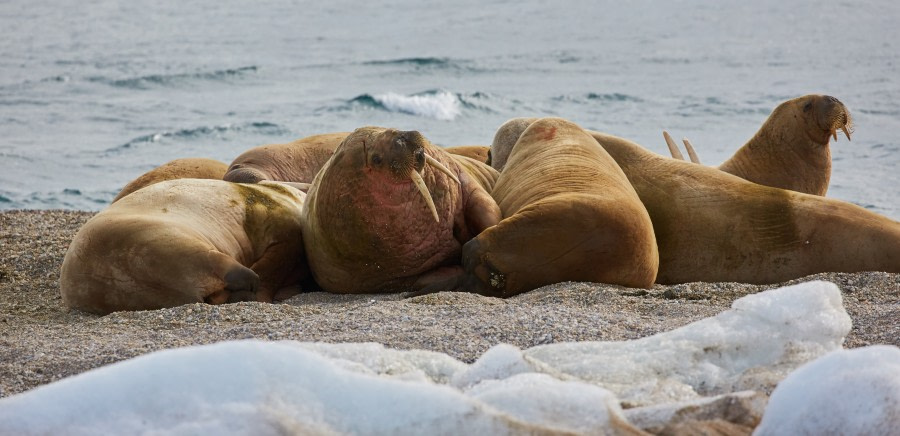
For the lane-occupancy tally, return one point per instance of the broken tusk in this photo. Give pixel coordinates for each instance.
(423, 189)
(690, 150)
(440, 167)
(673, 149)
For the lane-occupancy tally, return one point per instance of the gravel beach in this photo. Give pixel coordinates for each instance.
(41, 341)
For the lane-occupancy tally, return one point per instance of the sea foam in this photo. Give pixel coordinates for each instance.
(440, 105)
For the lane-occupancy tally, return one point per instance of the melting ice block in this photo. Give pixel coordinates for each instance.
(752, 346)
(845, 392)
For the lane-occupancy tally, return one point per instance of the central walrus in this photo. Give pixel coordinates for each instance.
(390, 211)
(569, 214)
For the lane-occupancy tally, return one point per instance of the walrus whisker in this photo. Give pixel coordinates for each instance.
(673, 148)
(690, 149)
(423, 189)
(440, 167)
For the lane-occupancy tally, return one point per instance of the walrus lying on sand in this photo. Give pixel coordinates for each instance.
(389, 210)
(187, 241)
(712, 226)
(186, 168)
(569, 213)
(791, 149)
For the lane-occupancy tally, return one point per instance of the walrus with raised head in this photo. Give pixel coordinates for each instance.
(185, 168)
(389, 211)
(296, 161)
(569, 214)
(791, 149)
(187, 241)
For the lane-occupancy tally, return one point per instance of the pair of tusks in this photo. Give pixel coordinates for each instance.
(673, 148)
(676, 153)
(845, 128)
(423, 188)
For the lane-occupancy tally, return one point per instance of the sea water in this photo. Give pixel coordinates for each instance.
(94, 93)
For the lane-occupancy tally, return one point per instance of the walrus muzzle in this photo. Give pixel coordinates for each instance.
(408, 160)
(834, 117)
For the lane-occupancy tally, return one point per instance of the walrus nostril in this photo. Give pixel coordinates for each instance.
(832, 99)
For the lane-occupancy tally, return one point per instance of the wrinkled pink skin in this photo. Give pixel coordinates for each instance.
(367, 228)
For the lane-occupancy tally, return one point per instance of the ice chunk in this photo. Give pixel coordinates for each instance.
(762, 338)
(845, 392)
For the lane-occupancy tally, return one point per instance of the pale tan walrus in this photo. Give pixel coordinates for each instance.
(569, 214)
(389, 211)
(186, 168)
(791, 149)
(187, 241)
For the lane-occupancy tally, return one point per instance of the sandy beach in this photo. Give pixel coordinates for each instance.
(41, 341)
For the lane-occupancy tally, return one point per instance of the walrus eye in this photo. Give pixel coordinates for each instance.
(376, 159)
(807, 107)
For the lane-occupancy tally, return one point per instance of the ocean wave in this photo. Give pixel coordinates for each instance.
(197, 132)
(72, 199)
(155, 80)
(436, 104)
(591, 97)
(419, 61)
(420, 64)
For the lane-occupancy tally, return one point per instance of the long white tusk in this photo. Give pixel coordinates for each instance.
(423, 189)
(834, 134)
(673, 149)
(690, 149)
(846, 130)
(440, 167)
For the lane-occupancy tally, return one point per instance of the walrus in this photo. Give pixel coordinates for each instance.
(791, 149)
(569, 214)
(481, 153)
(390, 211)
(505, 138)
(296, 161)
(187, 241)
(186, 168)
(713, 226)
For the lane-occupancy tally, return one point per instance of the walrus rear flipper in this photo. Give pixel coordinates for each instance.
(241, 284)
(238, 174)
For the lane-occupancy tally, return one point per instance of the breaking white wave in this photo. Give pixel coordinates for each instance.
(440, 105)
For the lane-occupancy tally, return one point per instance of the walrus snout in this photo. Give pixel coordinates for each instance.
(837, 118)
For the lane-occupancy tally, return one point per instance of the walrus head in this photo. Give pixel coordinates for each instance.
(825, 116)
(401, 155)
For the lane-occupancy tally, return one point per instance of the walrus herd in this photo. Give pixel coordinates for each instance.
(382, 210)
